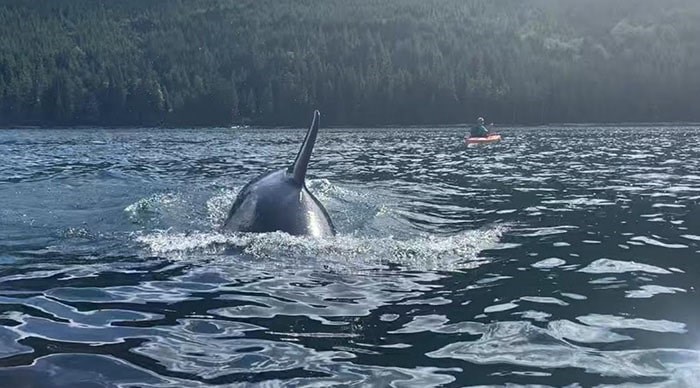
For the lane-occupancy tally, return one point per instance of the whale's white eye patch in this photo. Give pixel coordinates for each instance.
(314, 224)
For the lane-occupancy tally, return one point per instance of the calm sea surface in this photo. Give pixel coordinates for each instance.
(560, 256)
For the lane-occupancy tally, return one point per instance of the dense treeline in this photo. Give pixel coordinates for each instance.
(363, 62)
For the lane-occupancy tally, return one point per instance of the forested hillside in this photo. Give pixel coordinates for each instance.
(362, 62)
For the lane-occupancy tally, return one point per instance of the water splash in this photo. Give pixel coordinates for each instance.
(150, 209)
(420, 253)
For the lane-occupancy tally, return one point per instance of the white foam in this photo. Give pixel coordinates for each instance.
(218, 205)
(425, 253)
(153, 204)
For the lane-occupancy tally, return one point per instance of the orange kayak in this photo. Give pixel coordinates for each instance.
(483, 140)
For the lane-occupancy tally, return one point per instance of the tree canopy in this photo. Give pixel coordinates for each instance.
(361, 62)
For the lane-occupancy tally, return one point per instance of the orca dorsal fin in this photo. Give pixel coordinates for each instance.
(298, 168)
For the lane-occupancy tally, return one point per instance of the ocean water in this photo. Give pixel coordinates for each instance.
(561, 256)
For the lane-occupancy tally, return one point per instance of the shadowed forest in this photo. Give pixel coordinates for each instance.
(361, 62)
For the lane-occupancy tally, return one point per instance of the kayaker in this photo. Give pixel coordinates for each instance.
(480, 129)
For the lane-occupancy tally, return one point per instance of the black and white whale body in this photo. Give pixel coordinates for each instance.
(280, 201)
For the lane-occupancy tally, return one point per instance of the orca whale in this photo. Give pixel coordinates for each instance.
(280, 201)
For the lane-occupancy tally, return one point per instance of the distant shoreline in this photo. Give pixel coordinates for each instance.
(389, 126)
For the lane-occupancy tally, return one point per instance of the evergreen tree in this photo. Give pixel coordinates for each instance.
(363, 62)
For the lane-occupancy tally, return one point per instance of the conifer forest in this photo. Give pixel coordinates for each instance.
(361, 62)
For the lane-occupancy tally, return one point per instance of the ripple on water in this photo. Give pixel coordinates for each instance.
(231, 359)
(79, 370)
(523, 344)
(561, 263)
(552, 262)
(147, 209)
(583, 333)
(655, 242)
(601, 266)
(649, 290)
(615, 322)
(9, 345)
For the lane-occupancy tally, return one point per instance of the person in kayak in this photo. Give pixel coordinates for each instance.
(479, 130)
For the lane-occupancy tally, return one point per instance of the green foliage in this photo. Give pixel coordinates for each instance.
(362, 62)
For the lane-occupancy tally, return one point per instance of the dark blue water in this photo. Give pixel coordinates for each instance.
(563, 259)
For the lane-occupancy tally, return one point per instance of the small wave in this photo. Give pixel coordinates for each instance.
(526, 345)
(668, 205)
(615, 266)
(579, 202)
(651, 241)
(77, 233)
(441, 253)
(325, 190)
(357, 211)
(546, 231)
(616, 322)
(648, 291)
(147, 209)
